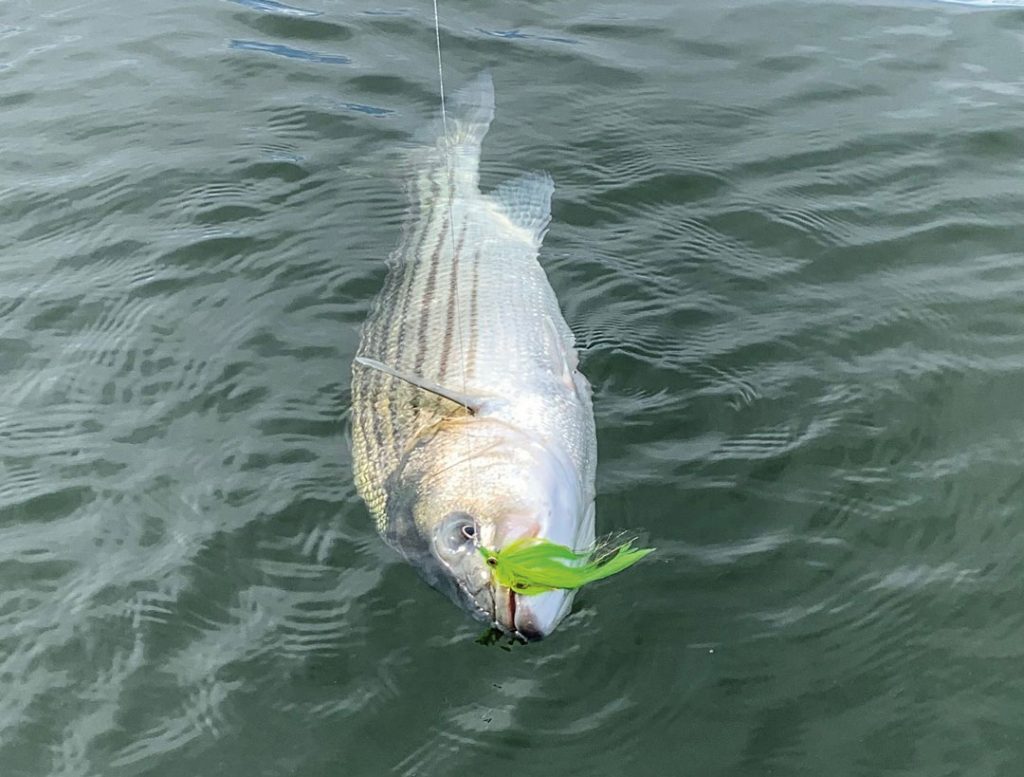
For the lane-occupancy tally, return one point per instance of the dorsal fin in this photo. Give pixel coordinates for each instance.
(526, 201)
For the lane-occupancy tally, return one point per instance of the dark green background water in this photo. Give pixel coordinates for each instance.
(788, 236)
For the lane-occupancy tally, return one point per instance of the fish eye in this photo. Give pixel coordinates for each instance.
(458, 532)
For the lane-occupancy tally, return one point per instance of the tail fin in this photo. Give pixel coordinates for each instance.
(456, 139)
(470, 111)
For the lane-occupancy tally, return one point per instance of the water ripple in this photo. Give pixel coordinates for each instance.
(290, 52)
(788, 240)
(274, 7)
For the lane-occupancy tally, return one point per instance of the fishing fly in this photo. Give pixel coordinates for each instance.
(532, 565)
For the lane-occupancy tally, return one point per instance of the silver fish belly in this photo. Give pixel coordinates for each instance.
(471, 422)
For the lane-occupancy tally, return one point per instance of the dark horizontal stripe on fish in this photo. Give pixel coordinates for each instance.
(445, 308)
(425, 303)
(408, 265)
(474, 313)
(412, 267)
(453, 315)
(414, 311)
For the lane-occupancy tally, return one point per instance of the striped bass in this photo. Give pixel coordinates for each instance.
(472, 425)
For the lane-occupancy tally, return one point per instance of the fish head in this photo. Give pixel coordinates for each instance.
(484, 484)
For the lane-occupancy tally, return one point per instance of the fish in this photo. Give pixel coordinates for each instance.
(472, 424)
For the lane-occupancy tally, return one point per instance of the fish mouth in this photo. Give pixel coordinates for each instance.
(529, 618)
(507, 608)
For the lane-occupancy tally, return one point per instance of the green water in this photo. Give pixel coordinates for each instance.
(788, 236)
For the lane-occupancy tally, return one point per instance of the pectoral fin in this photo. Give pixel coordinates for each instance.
(471, 403)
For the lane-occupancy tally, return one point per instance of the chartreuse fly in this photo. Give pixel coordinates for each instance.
(532, 565)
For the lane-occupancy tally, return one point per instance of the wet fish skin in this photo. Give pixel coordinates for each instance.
(467, 402)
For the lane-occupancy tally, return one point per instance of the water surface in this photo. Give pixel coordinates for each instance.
(788, 238)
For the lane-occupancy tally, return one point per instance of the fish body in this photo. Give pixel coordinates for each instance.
(472, 424)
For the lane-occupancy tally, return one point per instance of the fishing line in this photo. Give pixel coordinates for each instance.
(440, 75)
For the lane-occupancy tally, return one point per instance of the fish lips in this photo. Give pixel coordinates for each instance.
(532, 617)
